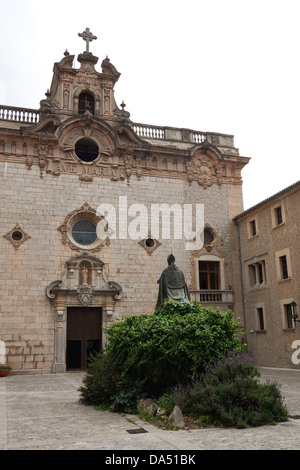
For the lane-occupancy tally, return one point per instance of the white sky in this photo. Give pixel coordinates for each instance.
(228, 66)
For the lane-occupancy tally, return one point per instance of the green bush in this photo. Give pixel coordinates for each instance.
(173, 345)
(229, 394)
(166, 402)
(148, 355)
(104, 385)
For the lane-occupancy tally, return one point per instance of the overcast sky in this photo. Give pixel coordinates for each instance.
(228, 66)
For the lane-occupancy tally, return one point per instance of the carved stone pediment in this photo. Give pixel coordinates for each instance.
(85, 278)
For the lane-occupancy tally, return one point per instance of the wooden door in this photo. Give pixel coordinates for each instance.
(84, 335)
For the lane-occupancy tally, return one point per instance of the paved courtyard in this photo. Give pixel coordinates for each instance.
(43, 412)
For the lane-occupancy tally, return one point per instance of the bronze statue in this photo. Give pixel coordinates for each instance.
(172, 284)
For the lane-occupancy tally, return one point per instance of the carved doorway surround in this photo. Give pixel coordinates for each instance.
(85, 286)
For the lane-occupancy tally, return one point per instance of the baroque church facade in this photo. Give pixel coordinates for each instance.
(64, 281)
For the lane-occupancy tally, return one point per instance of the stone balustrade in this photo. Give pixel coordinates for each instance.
(145, 131)
(152, 132)
(212, 296)
(26, 115)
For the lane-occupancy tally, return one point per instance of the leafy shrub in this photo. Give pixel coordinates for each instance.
(151, 354)
(104, 386)
(166, 402)
(229, 394)
(173, 345)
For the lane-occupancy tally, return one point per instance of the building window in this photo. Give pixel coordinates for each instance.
(79, 230)
(253, 229)
(257, 273)
(86, 102)
(87, 150)
(84, 232)
(209, 275)
(208, 237)
(283, 267)
(260, 318)
(17, 235)
(288, 316)
(278, 215)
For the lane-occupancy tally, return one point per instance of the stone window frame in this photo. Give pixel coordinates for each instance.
(84, 212)
(283, 303)
(259, 278)
(93, 100)
(278, 255)
(251, 235)
(17, 243)
(222, 270)
(91, 90)
(257, 306)
(150, 248)
(252, 264)
(275, 223)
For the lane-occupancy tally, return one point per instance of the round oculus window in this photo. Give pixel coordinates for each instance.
(17, 236)
(84, 232)
(87, 150)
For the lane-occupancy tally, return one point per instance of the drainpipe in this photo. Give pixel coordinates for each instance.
(242, 279)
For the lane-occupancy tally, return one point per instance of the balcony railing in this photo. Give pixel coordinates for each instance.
(152, 132)
(145, 131)
(212, 296)
(25, 115)
(168, 133)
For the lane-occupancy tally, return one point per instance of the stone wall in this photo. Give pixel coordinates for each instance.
(40, 205)
(272, 346)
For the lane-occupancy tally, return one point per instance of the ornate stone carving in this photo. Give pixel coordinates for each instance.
(149, 244)
(213, 246)
(17, 236)
(66, 94)
(85, 273)
(205, 169)
(52, 285)
(128, 160)
(86, 279)
(85, 294)
(43, 149)
(84, 212)
(29, 163)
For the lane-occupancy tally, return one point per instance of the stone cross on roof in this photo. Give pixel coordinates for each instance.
(87, 36)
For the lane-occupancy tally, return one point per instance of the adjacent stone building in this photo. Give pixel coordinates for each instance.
(269, 235)
(86, 193)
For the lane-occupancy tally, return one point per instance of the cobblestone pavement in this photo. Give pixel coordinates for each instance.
(43, 412)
